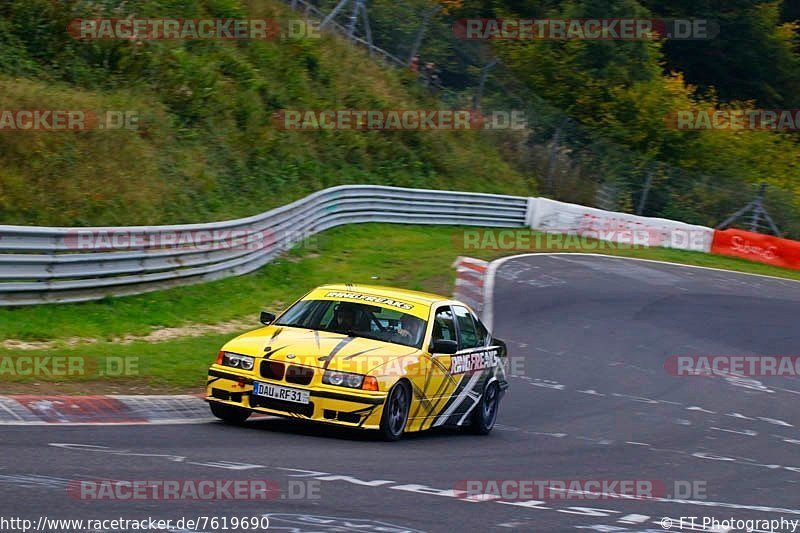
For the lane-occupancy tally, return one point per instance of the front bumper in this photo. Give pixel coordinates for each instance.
(333, 405)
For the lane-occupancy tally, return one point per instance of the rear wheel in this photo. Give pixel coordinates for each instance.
(485, 414)
(229, 413)
(395, 412)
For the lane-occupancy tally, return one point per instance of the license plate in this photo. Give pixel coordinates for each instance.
(277, 392)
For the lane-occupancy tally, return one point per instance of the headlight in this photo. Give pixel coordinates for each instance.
(235, 360)
(343, 379)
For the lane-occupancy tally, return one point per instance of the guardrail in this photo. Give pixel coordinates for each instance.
(48, 265)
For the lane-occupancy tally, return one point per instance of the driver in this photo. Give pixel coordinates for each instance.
(344, 318)
(409, 327)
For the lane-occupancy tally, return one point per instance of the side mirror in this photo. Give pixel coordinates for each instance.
(267, 318)
(445, 347)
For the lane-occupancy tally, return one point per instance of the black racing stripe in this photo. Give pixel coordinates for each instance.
(417, 391)
(367, 415)
(268, 348)
(210, 381)
(447, 380)
(269, 351)
(435, 410)
(399, 356)
(336, 349)
(453, 419)
(445, 371)
(423, 400)
(424, 392)
(347, 397)
(481, 381)
(362, 352)
(363, 413)
(227, 375)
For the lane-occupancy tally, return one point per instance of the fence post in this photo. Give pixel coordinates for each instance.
(757, 206)
(333, 13)
(476, 102)
(421, 32)
(647, 184)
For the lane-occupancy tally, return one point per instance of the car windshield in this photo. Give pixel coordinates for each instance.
(356, 320)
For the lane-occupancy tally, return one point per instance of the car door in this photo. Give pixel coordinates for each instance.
(438, 385)
(472, 363)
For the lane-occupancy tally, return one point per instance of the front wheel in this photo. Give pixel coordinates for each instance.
(485, 414)
(395, 412)
(229, 413)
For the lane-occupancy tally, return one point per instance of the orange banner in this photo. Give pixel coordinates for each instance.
(757, 247)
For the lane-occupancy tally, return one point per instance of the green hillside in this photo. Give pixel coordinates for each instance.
(206, 147)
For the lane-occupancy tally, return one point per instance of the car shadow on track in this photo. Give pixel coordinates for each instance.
(288, 426)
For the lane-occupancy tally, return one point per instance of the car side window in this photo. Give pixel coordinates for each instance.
(444, 327)
(468, 334)
(481, 331)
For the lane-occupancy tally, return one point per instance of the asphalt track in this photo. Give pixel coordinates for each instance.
(590, 400)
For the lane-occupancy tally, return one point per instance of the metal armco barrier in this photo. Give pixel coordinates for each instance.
(46, 265)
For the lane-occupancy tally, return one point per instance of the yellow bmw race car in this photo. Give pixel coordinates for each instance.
(365, 357)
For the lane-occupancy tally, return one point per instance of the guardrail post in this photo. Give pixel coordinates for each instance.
(529, 212)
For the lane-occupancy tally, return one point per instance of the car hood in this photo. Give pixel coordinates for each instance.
(320, 349)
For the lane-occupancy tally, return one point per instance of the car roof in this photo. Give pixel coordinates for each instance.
(417, 297)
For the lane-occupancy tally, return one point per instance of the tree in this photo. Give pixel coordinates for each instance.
(753, 57)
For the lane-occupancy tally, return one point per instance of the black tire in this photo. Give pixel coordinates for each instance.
(229, 413)
(485, 414)
(395, 412)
